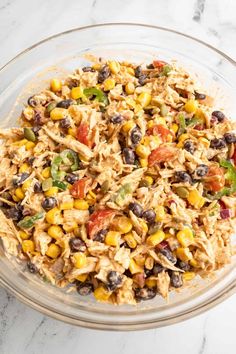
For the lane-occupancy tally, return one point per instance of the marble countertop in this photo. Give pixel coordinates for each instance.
(22, 23)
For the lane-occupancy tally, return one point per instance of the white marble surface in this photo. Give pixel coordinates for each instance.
(22, 23)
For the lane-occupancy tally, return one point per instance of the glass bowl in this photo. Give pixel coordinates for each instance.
(30, 70)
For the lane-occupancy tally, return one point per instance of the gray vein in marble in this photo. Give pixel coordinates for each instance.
(204, 338)
(41, 323)
(199, 9)
(94, 3)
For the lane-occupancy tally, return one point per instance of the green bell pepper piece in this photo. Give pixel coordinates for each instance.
(29, 221)
(100, 96)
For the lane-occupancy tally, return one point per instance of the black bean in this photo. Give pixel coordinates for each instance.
(219, 115)
(31, 160)
(129, 156)
(71, 178)
(201, 170)
(116, 119)
(65, 123)
(87, 69)
(142, 79)
(65, 103)
(168, 254)
(100, 235)
(91, 209)
(218, 144)
(14, 213)
(158, 268)
(138, 71)
(145, 293)
(189, 146)
(114, 279)
(150, 66)
(84, 289)
(199, 96)
(19, 179)
(32, 267)
(32, 102)
(176, 279)
(103, 74)
(136, 209)
(49, 203)
(149, 215)
(230, 138)
(136, 135)
(38, 119)
(36, 129)
(183, 265)
(77, 245)
(148, 272)
(183, 176)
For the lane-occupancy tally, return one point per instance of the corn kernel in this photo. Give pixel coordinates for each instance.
(143, 225)
(58, 113)
(191, 106)
(109, 84)
(54, 216)
(130, 71)
(112, 238)
(129, 88)
(101, 294)
(174, 127)
(149, 180)
(184, 254)
(156, 238)
(160, 213)
(53, 251)
(19, 193)
(130, 240)
(82, 277)
(143, 162)
(144, 99)
(27, 246)
(182, 139)
(167, 235)
(142, 151)
(92, 194)
(80, 260)
(114, 67)
(140, 260)
(70, 227)
(72, 132)
(67, 205)
(21, 142)
(126, 127)
(187, 276)
(149, 262)
(15, 198)
(46, 172)
(28, 113)
(185, 237)
(55, 85)
(96, 66)
(151, 282)
(150, 124)
(81, 204)
(195, 199)
(134, 267)
(51, 192)
(26, 185)
(23, 235)
(204, 142)
(193, 263)
(29, 145)
(160, 120)
(24, 168)
(122, 224)
(56, 232)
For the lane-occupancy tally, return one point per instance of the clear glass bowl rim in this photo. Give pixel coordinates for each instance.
(228, 291)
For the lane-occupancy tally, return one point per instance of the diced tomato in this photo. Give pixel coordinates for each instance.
(215, 179)
(79, 188)
(161, 154)
(160, 130)
(82, 134)
(163, 244)
(100, 219)
(158, 63)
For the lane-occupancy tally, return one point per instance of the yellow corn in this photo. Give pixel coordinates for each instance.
(51, 192)
(130, 71)
(149, 180)
(67, 205)
(56, 232)
(114, 67)
(174, 127)
(193, 263)
(55, 85)
(58, 113)
(204, 142)
(54, 216)
(96, 66)
(19, 193)
(185, 237)
(109, 84)
(191, 106)
(15, 198)
(23, 235)
(160, 213)
(70, 227)
(82, 277)
(72, 132)
(160, 120)
(143, 225)
(182, 139)
(150, 124)
(53, 251)
(142, 151)
(184, 254)
(195, 199)
(140, 260)
(101, 294)
(27, 246)
(21, 142)
(28, 113)
(80, 260)
(26, 185)
(144, 99)
(143, 162)
(81, 204)
(167, 235)
(151, 282)
(129, 88)
(122, 224)
(188, 276)
(126, 127)
(92, 194)
(156, 238)
(29, 145)
(134, 267)
(130, 240)
(149, 262)
(112, 238)
(46, 172)
(24, 168)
